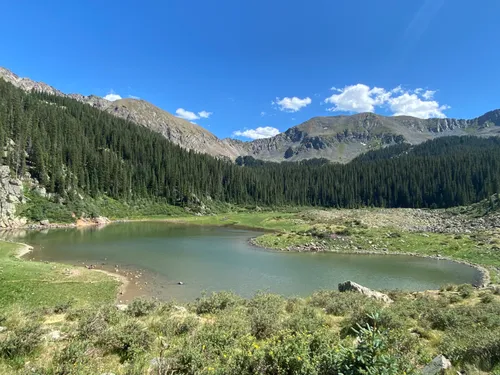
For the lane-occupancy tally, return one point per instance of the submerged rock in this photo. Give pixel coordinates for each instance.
(351, 286)
(437, 366)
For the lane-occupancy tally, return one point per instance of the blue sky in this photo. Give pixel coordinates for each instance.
(235, 66)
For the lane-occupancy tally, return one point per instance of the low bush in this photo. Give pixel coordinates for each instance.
(265, 312)
(305, 320)
(127, 340)
(465, 290)
(21, 341)
(487, 298)
(216, 302)
(140, 307)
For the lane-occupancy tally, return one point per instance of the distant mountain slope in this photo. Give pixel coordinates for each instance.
(336, 138)
(342, 138)
(175, 129)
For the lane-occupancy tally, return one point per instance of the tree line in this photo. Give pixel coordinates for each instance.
(72, 149)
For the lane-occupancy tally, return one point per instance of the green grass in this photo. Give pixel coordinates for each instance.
(276, 221)
(33, 284)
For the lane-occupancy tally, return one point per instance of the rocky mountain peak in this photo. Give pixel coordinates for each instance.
(337, 138)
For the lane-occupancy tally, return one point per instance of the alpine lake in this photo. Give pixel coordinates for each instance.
(158, 256)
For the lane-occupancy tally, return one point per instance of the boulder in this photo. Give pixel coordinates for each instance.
(101, 220)
(351, 286)
(54, 336)
(45, 222)
(122, 307)
(437, 366)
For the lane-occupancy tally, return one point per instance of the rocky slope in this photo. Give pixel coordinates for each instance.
(175, 129)
(11, 193)
(337, 138)
(342, 138)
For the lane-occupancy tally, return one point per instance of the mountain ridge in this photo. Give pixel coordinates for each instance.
(336, 138)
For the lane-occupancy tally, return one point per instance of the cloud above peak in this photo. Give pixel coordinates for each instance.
(362, 98)
(258, 133)
(112, 96)
(186, 115)
(293, 104)
(205, 114)
(191, 116)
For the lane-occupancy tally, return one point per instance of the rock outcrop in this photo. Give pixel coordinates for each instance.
(350, 286)
(11, 193)
(437, 366)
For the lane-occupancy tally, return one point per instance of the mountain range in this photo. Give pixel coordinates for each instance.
(336, 138)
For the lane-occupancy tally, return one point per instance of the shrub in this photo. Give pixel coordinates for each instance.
(289, 354)
(21, 341)
(480, 348)
(184, 325)
(265, 311)
(73, 358)
(373, 354)
(447, 288)
(91, 327)
(487, 298)
(455, 298)
(341, 304)
(465, 290)
(385, 319)
(305, 320)
(140, 307)
(216, 302)
(128, 340)
(62, 307)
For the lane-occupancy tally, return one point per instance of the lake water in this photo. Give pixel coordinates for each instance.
(212, 259)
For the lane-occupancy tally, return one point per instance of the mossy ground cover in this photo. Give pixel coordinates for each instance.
(36, 285)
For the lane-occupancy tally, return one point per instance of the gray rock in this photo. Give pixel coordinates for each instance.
(54, 336)
(437, 366)
(180, 309)
(45, 222)
(350, 286)
(122, 307)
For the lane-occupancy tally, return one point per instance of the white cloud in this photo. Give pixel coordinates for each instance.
(186, 115)
(262, 114)
(361, 98)
(191, 116)
(205, 114)
(411, 105)
(259, 133)
(112, 96)
(357, 98)
(428, 94)
(134, 97)
(292, 104)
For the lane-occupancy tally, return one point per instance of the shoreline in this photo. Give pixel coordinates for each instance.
(484, 274)
(25, 249)
(123, 281)
(485, 278)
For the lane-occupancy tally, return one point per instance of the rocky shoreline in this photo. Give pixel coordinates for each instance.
(484, 281)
